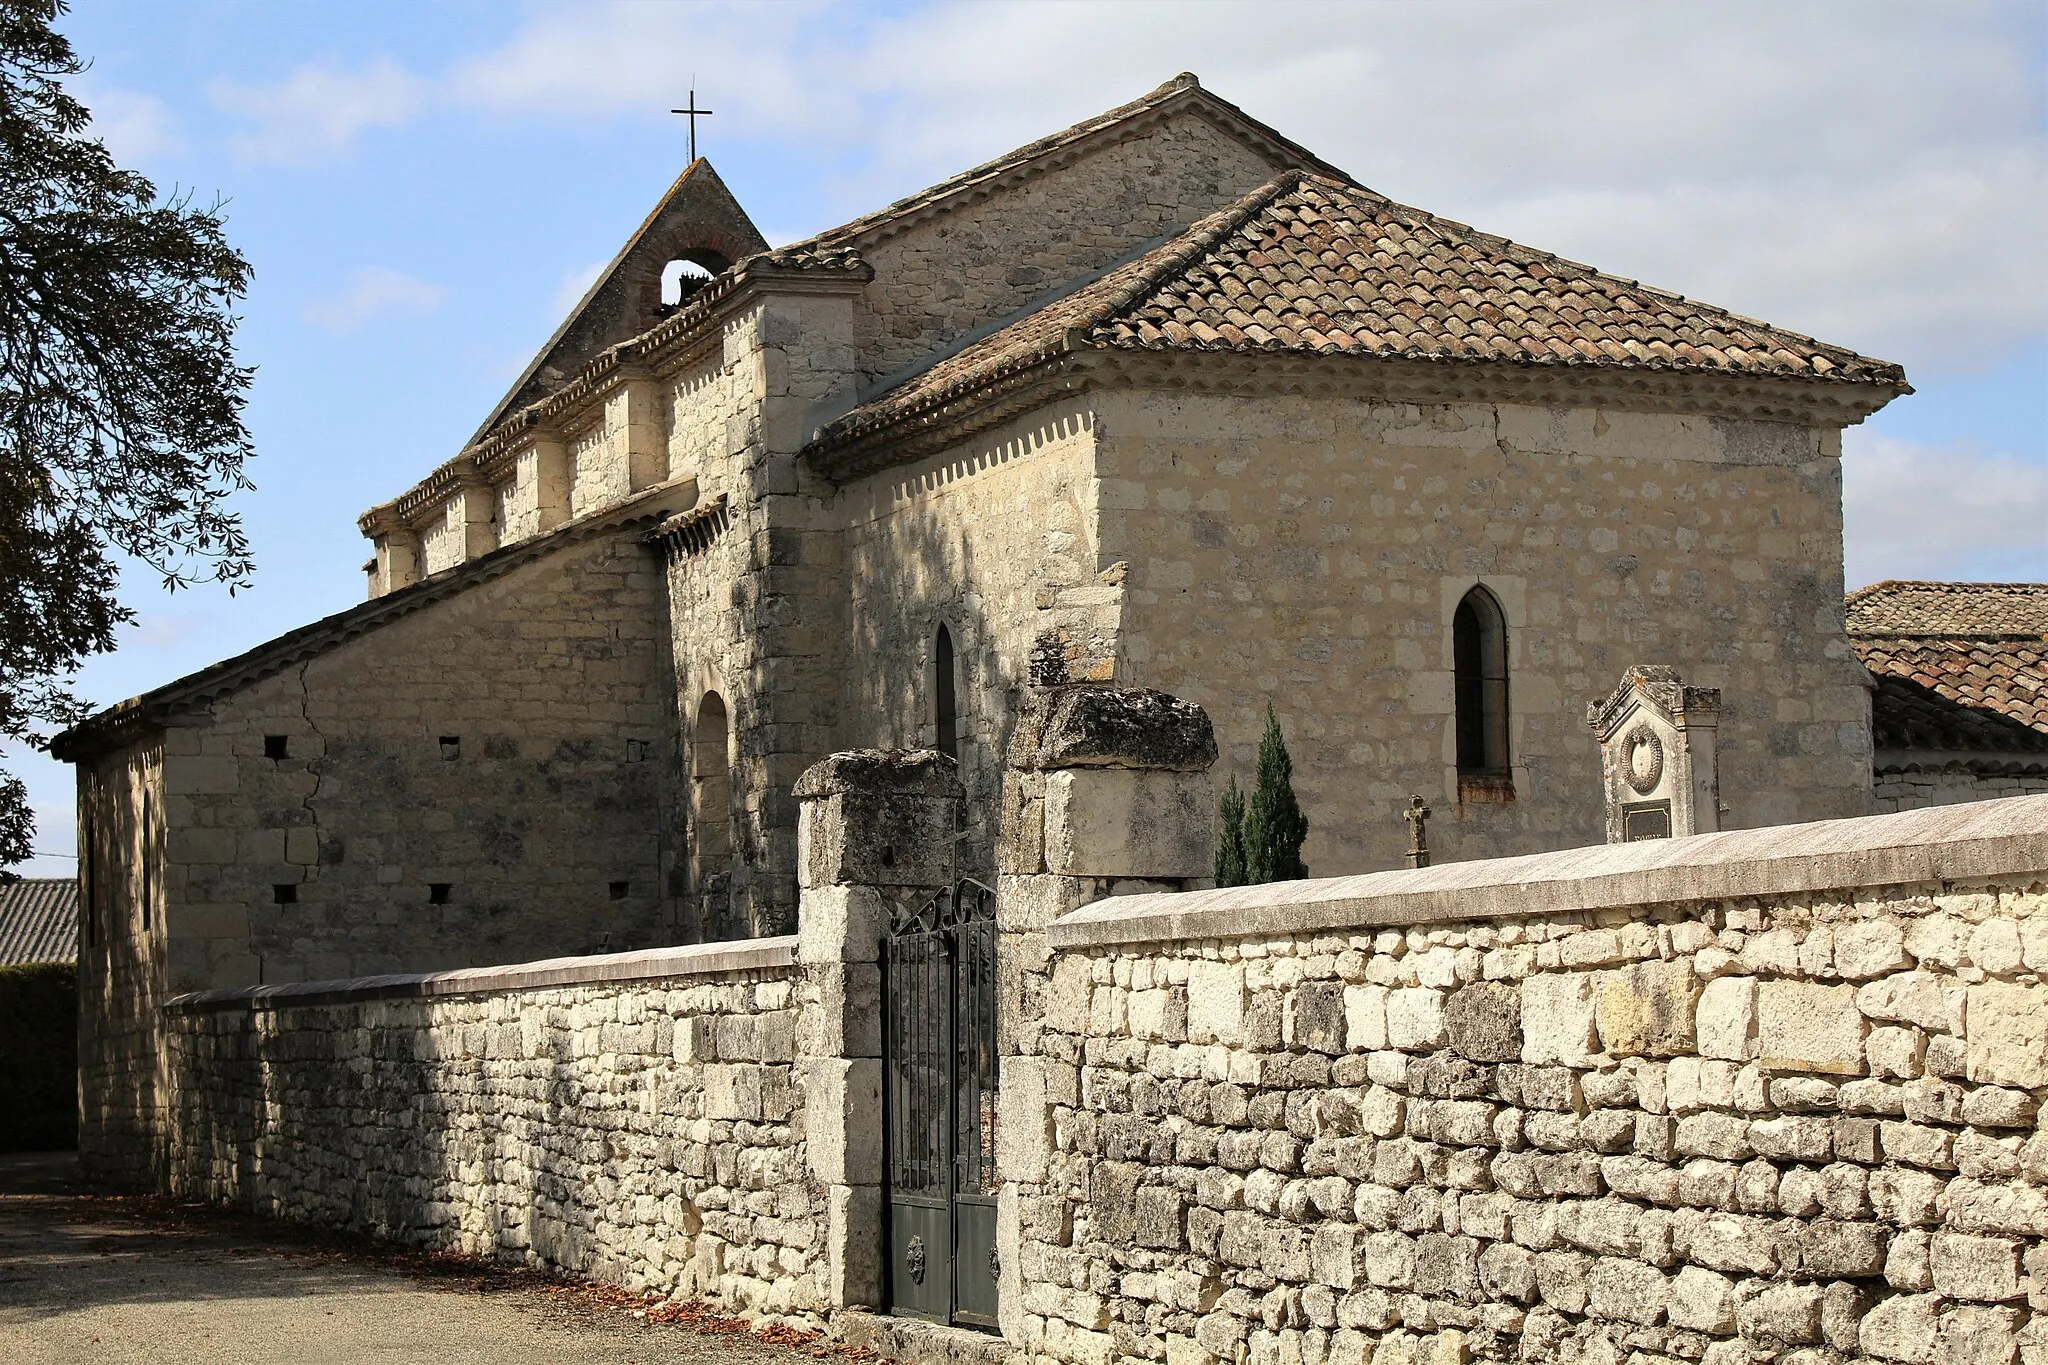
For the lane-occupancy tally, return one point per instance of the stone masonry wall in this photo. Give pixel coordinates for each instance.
(646, 1129)
(1310, 552)
(1801, 1127)
(995, 541)
(979, 262)
(1917, 787)
(511, 745)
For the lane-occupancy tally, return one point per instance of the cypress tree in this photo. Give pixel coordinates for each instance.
(1275, 828)
(1230, 837)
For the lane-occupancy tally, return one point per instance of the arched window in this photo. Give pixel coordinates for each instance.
(946, 701)
(1479, 653)
(711, 788)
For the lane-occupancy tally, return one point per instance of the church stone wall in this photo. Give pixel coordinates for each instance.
(636, 1118)
(511, 745)
(757, 591)
(1922, 785)
(952, 273)
(1309, 552)
(994, 540)
(1786, 1116)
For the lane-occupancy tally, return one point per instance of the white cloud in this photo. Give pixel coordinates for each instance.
(136, 127)
(315, 113)
(374, 291)
(1874, 174)
(1944, 512)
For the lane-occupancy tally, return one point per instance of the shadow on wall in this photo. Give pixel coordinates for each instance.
(39, 1057)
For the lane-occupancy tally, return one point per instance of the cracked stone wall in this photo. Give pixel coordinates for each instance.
(1799, 1128)
(1310, 552)
(649, 1132)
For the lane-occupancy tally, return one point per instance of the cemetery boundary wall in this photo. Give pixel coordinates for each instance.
(1772, 1094)
(1761, 1095)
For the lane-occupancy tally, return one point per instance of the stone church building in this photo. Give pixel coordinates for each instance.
(1163, 400)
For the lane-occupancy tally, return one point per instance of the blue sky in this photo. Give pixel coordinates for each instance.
(423, 188)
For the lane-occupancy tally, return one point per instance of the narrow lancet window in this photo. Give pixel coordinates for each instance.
(1479, 650)
(946, 699)
(711, 781)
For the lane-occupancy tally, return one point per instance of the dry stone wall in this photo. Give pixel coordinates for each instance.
(646, 1127)
(1801, 1127)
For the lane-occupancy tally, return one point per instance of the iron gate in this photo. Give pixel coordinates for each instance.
(939, 1107)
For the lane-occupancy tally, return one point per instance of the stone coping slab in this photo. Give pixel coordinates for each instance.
(1972, 842)
(696, 959)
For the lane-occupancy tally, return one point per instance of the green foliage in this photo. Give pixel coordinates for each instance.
(1230, 837)
(1275, 828)
(39, 1057)
(121, 429)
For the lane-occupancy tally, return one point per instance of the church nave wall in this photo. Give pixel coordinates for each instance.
(1311, 552)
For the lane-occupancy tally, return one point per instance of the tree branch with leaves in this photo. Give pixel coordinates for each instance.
(121, 402)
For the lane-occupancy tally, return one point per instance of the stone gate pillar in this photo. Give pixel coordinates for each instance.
(1106, 791)
(876, 829)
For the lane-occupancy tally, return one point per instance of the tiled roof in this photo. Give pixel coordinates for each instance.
(1183, 90)
(1958, 665)
(1911, 607)
(38, 920)
(1312, 265)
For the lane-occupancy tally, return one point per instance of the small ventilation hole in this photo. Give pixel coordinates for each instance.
(618, 890)
(277, 746)
(284, 893)
(438, 892)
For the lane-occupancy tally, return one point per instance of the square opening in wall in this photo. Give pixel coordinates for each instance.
(618, 890)
(284, 893)
(438, 892)
(451, 746)
(277, 746)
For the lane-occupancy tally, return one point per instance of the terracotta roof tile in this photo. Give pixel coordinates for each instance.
(1958, 665)
(1309, 263)
(38, 920)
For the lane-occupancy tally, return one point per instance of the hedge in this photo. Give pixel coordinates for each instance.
(39, 1057)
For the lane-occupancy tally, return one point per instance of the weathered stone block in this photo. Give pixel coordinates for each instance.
(1415, 1018)
(1626, 1291)
(1337, 1257)
(1806, 1027)
(878, 817)
(1156, 1218)
(1365, 1018)
(1647, 1009)
(1781, 1315)
(1216, 1003)
(1902, 1328)
(2008, 1035)
(1123, 822)
(1726, 1018)
(1483, 1022)
(1315, 1017)
(1558, 1019)
(1702, 1301)
(1872, 948)
(1986, 1269)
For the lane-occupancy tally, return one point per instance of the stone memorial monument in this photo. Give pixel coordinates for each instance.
(1657, 756)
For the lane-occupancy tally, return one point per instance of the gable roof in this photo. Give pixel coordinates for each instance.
(1975, 610)
(1317, 266)
(1183, 94)
(38, 920)
(697, 218)
(124, 721)
(1958, 665)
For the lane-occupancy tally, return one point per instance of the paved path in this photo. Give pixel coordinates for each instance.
(87, 1277)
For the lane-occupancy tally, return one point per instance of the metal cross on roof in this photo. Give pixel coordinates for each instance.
(692, 111)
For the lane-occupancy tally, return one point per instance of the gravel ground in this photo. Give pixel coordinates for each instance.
(95, 1277)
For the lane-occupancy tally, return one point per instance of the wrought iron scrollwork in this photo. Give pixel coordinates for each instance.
(966, 902)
